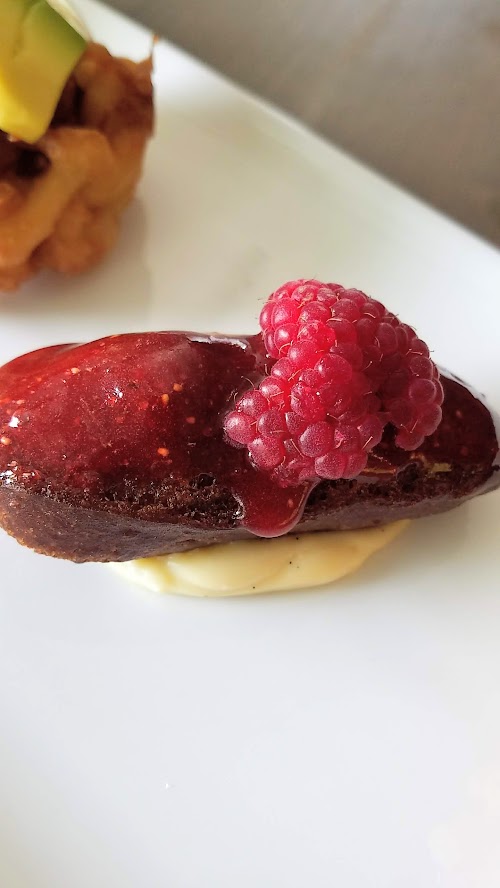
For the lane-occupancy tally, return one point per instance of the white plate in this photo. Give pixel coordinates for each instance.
(345, 737)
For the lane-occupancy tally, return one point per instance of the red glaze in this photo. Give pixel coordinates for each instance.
(148, 405)
(134, 410)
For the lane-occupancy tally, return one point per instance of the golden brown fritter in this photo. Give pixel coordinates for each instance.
(61, 199)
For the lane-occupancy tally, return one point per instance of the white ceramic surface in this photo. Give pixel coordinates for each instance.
(346, 737)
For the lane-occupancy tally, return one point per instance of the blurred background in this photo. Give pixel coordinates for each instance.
(411, 87)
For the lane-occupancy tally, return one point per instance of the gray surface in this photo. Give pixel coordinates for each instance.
(412, 87)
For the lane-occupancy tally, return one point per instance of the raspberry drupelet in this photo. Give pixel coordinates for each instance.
(344, 368)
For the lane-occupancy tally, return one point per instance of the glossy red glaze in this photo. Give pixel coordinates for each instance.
(151, 406)
(117, 418)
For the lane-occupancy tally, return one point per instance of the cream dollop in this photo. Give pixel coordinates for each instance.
(261, 565)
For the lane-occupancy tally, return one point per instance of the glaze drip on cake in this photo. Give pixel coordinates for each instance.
(115, 450)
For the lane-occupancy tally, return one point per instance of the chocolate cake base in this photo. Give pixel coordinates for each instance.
(203, 515)
(87, 533)
(74, 422)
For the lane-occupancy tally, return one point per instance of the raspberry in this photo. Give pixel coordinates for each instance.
(344, 368)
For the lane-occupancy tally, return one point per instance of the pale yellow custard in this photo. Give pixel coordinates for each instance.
(254, 566)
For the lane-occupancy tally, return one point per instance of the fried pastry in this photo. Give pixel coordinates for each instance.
(62, 197)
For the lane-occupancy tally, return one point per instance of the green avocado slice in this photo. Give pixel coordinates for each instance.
(38, 51)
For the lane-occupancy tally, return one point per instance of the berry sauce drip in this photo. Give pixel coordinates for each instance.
(138, 411)
(344, 368)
